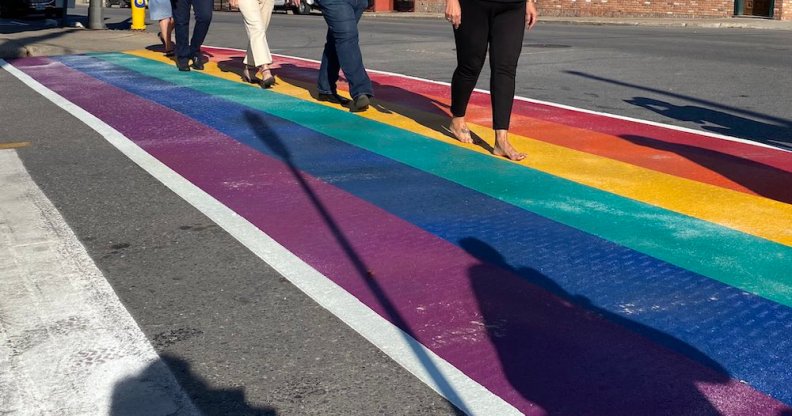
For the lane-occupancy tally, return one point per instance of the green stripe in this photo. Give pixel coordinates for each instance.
(738, 259)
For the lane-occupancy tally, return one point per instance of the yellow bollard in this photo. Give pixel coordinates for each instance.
(138, 14)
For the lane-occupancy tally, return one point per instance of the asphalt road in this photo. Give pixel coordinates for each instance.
(244, 339)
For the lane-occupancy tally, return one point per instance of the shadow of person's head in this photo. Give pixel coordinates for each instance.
(567, 355)
(168, 386)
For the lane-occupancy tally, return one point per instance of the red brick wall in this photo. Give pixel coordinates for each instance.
(640, 8)
(783, 9)
(634, 8)
(614, 8)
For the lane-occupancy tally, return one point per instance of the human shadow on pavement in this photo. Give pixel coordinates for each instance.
(721, 122)
(426, 111)
(764, 180)
(153, 393)
(569, 357)
(281, 150)
(723, 118)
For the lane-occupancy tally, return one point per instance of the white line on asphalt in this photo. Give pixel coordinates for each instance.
(467, 394)
(4, 22)
(562, 106)
(67, 345)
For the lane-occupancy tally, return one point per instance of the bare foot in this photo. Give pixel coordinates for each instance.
(460, 130)
(504, 148)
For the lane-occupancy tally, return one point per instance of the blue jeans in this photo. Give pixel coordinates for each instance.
(342, 50)
(181, 21)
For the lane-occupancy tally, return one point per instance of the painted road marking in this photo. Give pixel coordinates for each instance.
(6, 22)
(67, 345)
(14, 145)
(548, 103)
(220, 114)
(427, 366)
(700, 246)
(752, 214)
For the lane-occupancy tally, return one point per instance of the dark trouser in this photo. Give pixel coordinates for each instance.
(181, 18)
(501, 26)
(342, 50)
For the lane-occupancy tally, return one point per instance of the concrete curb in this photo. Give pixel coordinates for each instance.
(10, 48)
(71, 40)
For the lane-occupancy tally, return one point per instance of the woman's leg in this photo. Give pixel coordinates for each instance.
(471, 44)
(508, 28)
(166, 31)
(169, 33)
(254, 26)
(264, 57)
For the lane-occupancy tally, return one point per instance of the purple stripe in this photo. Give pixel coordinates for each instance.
(533, 349)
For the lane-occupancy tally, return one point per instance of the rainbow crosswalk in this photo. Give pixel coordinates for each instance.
(623, 268)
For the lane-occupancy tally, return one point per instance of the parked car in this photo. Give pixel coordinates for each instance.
(19, 8)
(305, 6)
(119, 3)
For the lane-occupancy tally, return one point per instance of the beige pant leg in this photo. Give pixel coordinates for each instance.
(257, 14)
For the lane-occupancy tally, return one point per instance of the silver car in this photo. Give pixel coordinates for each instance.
(305, 6)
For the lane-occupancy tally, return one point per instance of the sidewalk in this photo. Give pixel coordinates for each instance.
(61, 41)
(71, 40)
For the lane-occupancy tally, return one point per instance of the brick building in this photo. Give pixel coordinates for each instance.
(776, 9)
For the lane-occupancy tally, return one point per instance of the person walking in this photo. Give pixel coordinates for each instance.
(256, 15)
(497, 25)
(190, 49)
(162, 11)
(342, 52)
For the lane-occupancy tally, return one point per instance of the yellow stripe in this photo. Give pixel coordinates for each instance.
(751, 214)
(14, 145)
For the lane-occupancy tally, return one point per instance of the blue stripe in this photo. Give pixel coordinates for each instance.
(744, 333)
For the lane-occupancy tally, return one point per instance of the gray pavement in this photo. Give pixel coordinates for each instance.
(166, 260)
(239, 338)
(44, 38)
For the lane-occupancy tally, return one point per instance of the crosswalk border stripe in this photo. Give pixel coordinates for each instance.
(469, 396)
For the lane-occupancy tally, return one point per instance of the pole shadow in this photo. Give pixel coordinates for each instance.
(152, 393)
(569, 357)
(280, 149)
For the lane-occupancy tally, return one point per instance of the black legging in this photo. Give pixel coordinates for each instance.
(501, 26)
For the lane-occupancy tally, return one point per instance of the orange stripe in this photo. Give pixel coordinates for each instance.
(14, 145)
(698, 164)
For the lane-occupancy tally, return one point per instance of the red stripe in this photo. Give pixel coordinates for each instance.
(738, 166)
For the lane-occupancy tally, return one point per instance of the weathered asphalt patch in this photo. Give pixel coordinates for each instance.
(67, 345)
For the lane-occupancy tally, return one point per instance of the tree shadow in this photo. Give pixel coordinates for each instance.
(153, 393)
(272, 141)
(721, 122)
(767, 181)
(570, 357)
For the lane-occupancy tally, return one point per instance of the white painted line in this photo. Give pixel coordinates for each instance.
(465, 393)
(4, 22)
(562, 106)
(67, 345)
